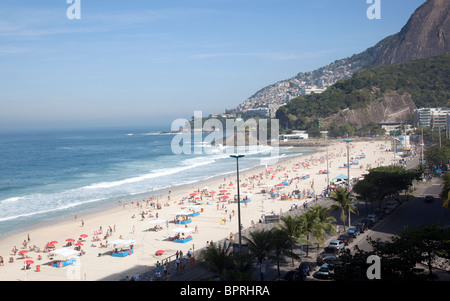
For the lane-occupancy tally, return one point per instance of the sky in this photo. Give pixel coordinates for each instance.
(149, 62)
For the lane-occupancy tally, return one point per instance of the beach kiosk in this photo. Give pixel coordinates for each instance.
(182, 235)
(66, 257)
(121, 248)
(182, 218)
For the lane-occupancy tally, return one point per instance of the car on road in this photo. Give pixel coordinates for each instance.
(327, 252)
(325, 272)
(368, 222)
(294, 275)
(336, 244)
(345, 238)
(429, 199)
(353, 232)
(373, 217)
(331, 260)
(361, 227)
(306, 267)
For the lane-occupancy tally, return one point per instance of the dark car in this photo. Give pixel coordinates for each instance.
(361, 227)
(353, 231)
(322, 255)
(294, 275)
(368, 222)
(325, 272)
(345, 238)
(429, 198)
(331, 260)
(306, 267)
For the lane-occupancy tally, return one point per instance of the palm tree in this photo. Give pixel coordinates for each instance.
(260, 246)
(292, 227)
(445, 194)
(343, 201)
(310, 225)
(325, 221)
(218, 260)
(282, 246)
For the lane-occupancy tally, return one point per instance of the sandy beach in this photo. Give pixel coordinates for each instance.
(217, 219)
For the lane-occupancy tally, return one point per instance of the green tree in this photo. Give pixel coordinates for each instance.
(384, 181)
(445, 193)
(292, 226)
(260, 246)
(343, 201)
(218, 260)
(282, 245)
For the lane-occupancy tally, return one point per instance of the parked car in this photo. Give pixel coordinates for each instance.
(306, 267)
(345, 238)
(328, 251)
(325, 272)
(331, 260)
(336, 244)
(429, 198)
(368, 222)
(373, 217)
(294, 275)
(361, 227)
(353, 232)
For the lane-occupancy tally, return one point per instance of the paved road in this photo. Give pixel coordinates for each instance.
(412, 213)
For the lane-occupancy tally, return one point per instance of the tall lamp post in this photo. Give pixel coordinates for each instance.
(348, 172)
(348, 163)
(239, 199)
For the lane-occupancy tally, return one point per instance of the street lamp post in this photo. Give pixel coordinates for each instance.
(348, 172)
(239, 199)
(348, 163)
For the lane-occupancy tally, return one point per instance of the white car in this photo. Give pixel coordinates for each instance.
(336, 244)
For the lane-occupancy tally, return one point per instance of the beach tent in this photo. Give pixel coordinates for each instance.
(182, 230)
(341, 177)
(121, 242)
(179, 231)
(65, 252)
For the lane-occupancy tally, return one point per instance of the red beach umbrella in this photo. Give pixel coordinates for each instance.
(159, 252)
(78, 244)
(29, 262)
(23, 252)
(49, 245)
(53, 242)
(84, 235)
(70, 239)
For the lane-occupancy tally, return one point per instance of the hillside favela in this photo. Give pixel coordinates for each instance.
(215, 148)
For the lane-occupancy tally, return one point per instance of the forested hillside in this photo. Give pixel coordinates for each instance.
(427, 81)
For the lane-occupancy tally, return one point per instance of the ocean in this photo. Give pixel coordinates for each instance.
(49, 175)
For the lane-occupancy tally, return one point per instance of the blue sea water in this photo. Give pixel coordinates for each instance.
(48, 175)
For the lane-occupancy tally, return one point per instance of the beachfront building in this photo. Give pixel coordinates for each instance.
(294, 136)
(431, 117)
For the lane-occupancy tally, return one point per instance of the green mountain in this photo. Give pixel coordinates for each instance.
(378, 94)
(426, 34)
